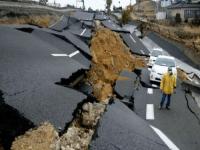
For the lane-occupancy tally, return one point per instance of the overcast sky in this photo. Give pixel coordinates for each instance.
(95, 4)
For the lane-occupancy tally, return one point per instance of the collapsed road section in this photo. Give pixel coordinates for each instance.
(68, 96)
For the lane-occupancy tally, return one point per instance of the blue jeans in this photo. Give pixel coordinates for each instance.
(163, 99)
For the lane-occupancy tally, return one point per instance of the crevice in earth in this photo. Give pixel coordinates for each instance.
(77, 82)
(27, 30)
(190, 109)
(12, 124)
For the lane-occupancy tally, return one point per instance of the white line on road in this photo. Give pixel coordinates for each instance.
(150, 91)
(73, 54)
(165, 139)
(149, 112)
(132, 39)
(154, 85)
(142, 51)
(83, 32)
(59, 55)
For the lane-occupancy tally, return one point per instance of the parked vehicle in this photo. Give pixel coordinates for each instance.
(161, 66)
(153, 56)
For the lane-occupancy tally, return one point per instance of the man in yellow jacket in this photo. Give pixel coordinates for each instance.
(167, 85)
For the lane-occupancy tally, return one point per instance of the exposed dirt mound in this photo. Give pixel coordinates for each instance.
(110, 57)
(43, 138)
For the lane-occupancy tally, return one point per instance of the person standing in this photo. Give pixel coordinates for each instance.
(167, 86)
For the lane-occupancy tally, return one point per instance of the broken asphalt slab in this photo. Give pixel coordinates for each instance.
(113, 26)
(121, 128)
(81, 15)
(77, 42)
(125, 87)
(63, 46)
(29, 83)
(81, 30)
(101, 16)
(73, 39)
(135, 44)
(60, 24)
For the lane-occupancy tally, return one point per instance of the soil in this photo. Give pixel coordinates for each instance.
(182, 75)
(110, 56)
(42, 20)
(44, 137)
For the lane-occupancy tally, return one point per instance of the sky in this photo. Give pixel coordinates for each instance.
(94, 4)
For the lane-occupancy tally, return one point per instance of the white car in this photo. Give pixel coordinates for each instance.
(161, 66)
(153, 56)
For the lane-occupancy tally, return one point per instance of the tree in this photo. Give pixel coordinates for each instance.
(126, 16)
(43, 2)
(108, 5)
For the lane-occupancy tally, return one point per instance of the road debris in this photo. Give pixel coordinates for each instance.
(79, 134)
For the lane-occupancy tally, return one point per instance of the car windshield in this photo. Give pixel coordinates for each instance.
(156, 53)
(165, 62)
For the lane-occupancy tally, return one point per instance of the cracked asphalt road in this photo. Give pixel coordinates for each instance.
(28, 73)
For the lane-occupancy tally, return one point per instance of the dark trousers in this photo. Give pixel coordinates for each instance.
(163, 99)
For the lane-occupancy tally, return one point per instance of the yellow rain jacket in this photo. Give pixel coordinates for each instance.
(168, 83)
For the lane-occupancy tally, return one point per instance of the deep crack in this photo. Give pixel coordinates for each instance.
(190, 109)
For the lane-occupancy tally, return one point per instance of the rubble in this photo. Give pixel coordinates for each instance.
(76, 138)
(44, 137)
(79, 134)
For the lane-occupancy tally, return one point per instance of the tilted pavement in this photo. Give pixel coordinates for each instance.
(29, 71)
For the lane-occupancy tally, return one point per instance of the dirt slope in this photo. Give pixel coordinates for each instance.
(110, 57)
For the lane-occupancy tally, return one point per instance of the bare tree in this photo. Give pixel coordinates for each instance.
(108, 5)
(43, 2)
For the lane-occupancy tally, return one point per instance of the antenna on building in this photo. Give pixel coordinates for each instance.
(82, 3)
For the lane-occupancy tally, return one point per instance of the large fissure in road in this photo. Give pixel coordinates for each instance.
(110, 56)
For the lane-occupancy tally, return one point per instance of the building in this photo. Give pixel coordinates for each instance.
(186, 11)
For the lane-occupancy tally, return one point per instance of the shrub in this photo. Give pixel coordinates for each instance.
(126, 16)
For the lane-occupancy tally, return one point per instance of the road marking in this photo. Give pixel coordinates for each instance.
(59, 55)
(73, 54)
(154, 85)
(150, 91)
(149, 112)
(142, 51)
(165, 139)
(64, 55)
(132, 39)
(83, 32)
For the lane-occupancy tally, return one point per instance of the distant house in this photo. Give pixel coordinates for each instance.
(186, 11)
